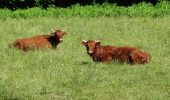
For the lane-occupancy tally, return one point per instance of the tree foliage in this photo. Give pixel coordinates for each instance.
(15, 4)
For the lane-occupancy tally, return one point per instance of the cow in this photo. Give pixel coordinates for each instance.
(39, 41)
(106, 54)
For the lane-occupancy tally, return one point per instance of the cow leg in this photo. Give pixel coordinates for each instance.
(134, 58)
(131, 58)
(18, 45)
(107, 60)
(137, 57)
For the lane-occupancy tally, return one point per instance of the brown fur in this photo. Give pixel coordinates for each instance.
(39, 42)
(106, 54)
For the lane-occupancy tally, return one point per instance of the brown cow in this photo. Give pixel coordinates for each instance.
(39, 41)
(106, 54)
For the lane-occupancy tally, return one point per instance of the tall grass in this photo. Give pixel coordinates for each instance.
(69, 73)
(142, 9)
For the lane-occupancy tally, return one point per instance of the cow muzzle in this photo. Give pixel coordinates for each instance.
(61, 40)
(90, 52)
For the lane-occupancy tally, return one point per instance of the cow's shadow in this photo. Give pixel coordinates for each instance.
(84, 63)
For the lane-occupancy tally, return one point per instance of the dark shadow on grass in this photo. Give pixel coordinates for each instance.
(89, 63)
(84, 63)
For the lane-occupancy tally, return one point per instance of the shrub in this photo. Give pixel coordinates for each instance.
(141, 9)
(15, 4)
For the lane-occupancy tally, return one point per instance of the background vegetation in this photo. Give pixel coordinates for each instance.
(15, 4)
(142, 9)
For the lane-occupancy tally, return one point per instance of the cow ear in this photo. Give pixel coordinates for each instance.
(98, 42)
(83, 42)
(53, 33)
(64, 33)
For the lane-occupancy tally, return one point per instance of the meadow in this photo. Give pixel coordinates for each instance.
(68, 73)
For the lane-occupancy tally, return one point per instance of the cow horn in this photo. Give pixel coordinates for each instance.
(63, 32)
(84, 40)
(97, 41)
(52, 30)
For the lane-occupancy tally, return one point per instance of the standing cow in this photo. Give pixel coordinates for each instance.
(39, 41)
(106, 54)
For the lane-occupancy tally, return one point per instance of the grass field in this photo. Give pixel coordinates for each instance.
(68, 73)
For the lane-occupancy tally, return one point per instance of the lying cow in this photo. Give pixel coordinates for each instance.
(39, 41)
(106, 54)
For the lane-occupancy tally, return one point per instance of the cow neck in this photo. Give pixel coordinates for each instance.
(95, 50)
(96, 53)
(53, 41)
(97, 47)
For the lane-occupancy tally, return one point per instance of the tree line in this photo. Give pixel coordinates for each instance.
(21, 4)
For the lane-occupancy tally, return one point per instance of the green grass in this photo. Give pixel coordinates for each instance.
(69, 73)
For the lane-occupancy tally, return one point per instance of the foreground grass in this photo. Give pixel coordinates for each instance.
(69, 73)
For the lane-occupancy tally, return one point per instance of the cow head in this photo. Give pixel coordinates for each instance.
(58, 34)
(90, 45)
